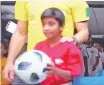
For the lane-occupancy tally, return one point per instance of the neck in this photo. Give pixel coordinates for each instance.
(54, 41)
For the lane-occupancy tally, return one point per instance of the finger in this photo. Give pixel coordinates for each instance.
(49, 68)
(12, 75)
(6, 75)
(45, 69)
(52, 63)
(48, 72)
(49, 65)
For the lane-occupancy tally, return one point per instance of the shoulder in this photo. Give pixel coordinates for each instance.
(70, 44)
(20, 3)
(94, 48)
(73, 48)
(78, 2)
(40, 44)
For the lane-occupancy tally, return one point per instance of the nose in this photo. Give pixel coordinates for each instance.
(46, 28)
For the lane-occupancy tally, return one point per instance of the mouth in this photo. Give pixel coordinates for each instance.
(48, 34)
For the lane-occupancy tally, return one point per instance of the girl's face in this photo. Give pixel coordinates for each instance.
(51, 28)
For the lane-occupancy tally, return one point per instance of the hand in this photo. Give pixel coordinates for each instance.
(51, 69)
(64, 39)
(93, 68)
(8, 72)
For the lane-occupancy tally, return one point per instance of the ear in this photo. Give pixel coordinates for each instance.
(61, 28)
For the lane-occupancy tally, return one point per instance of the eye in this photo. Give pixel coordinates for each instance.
(51, 23)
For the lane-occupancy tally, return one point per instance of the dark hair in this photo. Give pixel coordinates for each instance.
(54, 13)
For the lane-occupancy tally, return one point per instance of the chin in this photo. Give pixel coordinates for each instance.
(49, 37)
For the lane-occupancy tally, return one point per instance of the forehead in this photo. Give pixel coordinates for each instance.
(49, 19)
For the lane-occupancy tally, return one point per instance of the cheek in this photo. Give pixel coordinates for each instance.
(55, 28)
(43, 30)
(56, 32)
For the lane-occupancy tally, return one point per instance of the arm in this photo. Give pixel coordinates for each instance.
(17, 41)
(53, 69)
(74, 61)
(80, 13)
(82, 31)
(72, 67)
(60, 72)
(64, 73)
(96, 63)
(96, 54)
(85, 57)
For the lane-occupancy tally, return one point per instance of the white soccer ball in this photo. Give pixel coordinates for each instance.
(31, 66)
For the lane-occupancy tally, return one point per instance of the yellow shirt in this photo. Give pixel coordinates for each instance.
(31, 10)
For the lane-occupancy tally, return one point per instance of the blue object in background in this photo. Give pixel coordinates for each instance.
(97, 80)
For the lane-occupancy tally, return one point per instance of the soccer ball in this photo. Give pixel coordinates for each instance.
(31, 66)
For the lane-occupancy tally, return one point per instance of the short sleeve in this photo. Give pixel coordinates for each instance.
(75, 61)
(38, 46)
(83, 50)
(80, 11)
(20, 11)
(96, 53)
